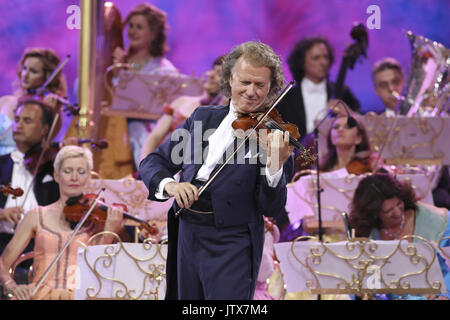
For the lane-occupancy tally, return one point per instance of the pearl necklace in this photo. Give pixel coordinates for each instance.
(139, 66)
(395, 234)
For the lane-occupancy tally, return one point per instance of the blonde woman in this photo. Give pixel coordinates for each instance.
(50, 230)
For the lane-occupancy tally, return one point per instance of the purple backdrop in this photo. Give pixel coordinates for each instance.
(200, 30)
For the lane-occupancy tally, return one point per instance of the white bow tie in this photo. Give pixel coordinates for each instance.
(17, 156)
(311, 87)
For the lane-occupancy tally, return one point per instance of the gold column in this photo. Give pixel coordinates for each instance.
(89, 86)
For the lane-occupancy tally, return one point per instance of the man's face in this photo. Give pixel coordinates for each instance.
(385, 82)
(249, 86)
(27, 127)
(317, 63)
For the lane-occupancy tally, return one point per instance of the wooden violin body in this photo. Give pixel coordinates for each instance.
(272, 121)
(359, 166)
(76, 207)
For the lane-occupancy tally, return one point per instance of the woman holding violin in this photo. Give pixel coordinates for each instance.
(34, 68)
(49, 226)
(348, 149)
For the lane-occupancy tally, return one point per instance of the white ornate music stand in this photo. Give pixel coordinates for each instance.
(414, 140)
(361, 267)
(130, 271)
(143, 96)
(337, 195)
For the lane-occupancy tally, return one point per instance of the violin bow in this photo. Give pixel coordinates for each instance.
(39, 91)
(53, 75)
(216, 172)
(66, 244)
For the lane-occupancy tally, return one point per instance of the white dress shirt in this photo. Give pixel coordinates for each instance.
(314, 100)
(22, 178)
(219, 141)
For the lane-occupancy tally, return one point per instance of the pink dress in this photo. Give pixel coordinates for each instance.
(60, 283)
(266, 269)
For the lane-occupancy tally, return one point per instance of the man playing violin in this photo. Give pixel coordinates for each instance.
(216, 242)
(32, 122)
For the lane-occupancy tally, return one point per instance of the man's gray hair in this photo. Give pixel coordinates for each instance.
(257, 54)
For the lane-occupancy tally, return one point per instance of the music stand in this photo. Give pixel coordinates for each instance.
(414, 140)
(128, 271)
(337, 195)
(361, 267)
(143, 96)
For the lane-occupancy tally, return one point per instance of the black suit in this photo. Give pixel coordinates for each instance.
(45, 192)
(292, 107)
(240, 196)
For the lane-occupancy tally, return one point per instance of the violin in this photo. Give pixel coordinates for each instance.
(77, 206)
(68, 107)
(43, 91)
(274, 121)
(358, 166)
(31, 157)
(15, 192)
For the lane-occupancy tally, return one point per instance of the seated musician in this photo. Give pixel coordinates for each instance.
(348, 152)
(383, 208)
(348, 149)
(34, 69)
(31, 126)
(50, 229)
(388, 79)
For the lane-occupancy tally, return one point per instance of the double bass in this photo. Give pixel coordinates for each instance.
(352, 53)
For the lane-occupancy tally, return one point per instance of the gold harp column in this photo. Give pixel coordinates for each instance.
(90, 91)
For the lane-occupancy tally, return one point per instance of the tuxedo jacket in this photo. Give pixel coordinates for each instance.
(240, 194)
(45, 192)
(292, 107)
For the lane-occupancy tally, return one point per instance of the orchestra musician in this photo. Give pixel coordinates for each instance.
(50, 229)
(388, 77)
(216, 243)
(348, 149)
(32, 122)
(309, 63)
(384, 208)
(34, 68)
(147, 28)
(388, 80)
